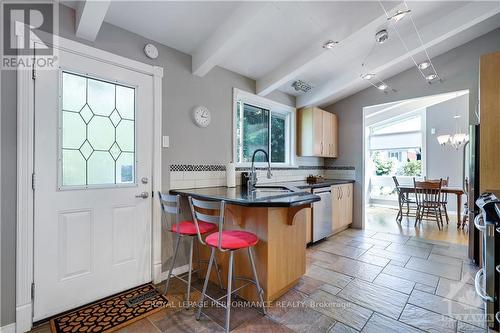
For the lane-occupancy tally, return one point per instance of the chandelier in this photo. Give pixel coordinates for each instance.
(456, 140)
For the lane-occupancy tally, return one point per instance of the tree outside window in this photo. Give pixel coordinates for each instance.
(260, 128)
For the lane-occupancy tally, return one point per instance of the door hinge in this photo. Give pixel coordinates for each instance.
(32, 290)
(33, 180)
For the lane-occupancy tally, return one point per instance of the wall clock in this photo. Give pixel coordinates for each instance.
(151, 51)
(202, 116)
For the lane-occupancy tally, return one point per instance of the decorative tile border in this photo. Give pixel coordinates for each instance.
(221, 167)
(339, 168)
(210, 175)
(197, 167)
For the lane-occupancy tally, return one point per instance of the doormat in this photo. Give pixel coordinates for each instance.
(112, 313)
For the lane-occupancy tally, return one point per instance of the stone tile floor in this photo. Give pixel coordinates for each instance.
(356, 281)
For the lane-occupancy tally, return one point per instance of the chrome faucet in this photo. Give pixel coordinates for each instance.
(252, 179)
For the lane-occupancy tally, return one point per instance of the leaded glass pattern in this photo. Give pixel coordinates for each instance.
(98, 132)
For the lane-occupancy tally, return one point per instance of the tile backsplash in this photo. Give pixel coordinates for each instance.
(210, 175)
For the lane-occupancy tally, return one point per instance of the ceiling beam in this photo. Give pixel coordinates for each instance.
(393, 60)
(89, 18)
(315, 52)
(227, 36)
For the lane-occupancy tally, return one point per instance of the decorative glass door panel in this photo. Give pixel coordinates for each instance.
(97, 132)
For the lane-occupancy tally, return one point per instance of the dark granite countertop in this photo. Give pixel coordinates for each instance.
(302, 184)
(273, 195)
(286, 194)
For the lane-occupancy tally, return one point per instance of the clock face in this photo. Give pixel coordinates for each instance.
(202, 116)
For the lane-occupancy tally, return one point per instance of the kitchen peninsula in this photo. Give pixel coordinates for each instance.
(278, 216)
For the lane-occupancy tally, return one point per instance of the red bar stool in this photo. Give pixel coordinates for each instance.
(223, 240)
(170, 205)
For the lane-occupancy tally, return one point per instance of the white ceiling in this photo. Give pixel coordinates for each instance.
(276, 43)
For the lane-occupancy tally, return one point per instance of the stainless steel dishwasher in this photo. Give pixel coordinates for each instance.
(322, 214)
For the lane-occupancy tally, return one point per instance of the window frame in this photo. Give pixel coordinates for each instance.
(286, 112)
(422, 113)
(60, 185)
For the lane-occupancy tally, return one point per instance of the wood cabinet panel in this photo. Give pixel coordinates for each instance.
(336, 209)
(335, 136)
(308, 217)
(326, 145)
(342, 205)
(348, 189)
(489, 173)
(317, 133)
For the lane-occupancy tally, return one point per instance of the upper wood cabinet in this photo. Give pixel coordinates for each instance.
(317, 133)
(489, 164)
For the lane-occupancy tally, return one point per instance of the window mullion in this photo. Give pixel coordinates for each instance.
(269, 137)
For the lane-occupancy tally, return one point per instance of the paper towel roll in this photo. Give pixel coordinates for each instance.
(230, 175)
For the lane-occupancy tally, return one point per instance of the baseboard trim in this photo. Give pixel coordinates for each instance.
(157, 273)
(24, 318)
(176, 271)
(10, 328)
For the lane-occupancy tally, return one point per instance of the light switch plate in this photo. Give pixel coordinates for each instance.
(433, 131)
(165, 141)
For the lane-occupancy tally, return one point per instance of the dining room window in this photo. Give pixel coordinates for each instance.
(262, 124)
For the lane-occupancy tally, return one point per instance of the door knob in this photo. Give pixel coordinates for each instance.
(143, 195)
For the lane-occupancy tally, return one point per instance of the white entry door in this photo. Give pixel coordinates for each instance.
(93, 159)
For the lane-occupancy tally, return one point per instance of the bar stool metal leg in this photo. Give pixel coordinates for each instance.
(205, 284)
(218, 273)
(177, 242)
(190, 272)
(260, 291)
(229, 291)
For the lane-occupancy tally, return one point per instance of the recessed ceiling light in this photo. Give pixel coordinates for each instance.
(424, 65)
(382, 86)
(382, 36)
(399, 15)
(329, 44)
(431, 77)
(367, 76)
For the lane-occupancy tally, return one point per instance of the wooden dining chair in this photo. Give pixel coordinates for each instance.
(444, 196)
(428, 198)
(403, 200)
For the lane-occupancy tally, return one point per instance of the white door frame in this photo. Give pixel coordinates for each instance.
(25, 194)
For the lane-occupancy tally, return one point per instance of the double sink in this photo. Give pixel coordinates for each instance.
(266, 191)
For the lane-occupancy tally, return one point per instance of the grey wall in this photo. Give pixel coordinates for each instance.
(181, 92)
(446, 161)
(458, 67)
(8, 195)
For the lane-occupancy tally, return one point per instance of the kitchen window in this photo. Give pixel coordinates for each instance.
(262, 124)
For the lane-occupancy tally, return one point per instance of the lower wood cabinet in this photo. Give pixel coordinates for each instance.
(308, 214)
(342, 206)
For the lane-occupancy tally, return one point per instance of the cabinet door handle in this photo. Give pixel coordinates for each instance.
(321, 147)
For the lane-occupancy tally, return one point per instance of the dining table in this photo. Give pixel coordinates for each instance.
(458, 191)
